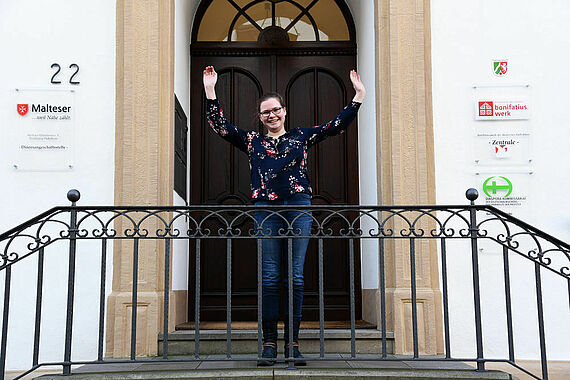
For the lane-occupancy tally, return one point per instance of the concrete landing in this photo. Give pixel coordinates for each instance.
(318, 370)
(300, 374)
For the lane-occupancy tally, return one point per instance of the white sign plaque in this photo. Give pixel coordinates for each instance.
(500, 149)
(508, 191)
(493, 109)
(42, 132)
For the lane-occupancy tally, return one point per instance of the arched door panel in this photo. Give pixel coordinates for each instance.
(316, 95)
(237, 91)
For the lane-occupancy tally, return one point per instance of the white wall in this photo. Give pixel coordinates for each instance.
(363, 14)
(184, 11)
(533, 36)
(33, 35)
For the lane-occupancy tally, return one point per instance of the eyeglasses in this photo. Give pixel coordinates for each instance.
(276, 111)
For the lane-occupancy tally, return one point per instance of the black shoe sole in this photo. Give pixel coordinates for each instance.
(265, 363)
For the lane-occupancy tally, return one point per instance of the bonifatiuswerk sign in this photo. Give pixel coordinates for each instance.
(492, 109)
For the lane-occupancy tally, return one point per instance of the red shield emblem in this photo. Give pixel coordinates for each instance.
(22, 109)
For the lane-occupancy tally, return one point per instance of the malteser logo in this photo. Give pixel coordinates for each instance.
(485, 108)
(45, 111)
(22, 109)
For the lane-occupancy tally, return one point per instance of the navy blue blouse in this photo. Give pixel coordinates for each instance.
(278, 164)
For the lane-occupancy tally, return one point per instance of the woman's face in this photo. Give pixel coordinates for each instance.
(272, 115)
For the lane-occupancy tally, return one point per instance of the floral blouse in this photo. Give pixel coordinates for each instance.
(278, 164)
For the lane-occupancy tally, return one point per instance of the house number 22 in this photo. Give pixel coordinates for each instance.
(57, 68)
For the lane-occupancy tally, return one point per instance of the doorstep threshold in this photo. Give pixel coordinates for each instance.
(304, 334)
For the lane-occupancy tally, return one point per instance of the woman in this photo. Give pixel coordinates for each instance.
(278, 162)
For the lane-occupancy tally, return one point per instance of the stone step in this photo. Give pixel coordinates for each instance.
(212, 342)
(283, 373)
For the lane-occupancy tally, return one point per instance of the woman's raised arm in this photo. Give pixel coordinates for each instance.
(343, 119)
(210, 78)
(358, 87)
(215, 115)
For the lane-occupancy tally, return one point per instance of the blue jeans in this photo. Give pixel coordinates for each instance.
(275, 251)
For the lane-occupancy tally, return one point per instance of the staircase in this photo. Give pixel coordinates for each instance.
(337, 338)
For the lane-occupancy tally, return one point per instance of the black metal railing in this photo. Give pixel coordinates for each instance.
(458, 231)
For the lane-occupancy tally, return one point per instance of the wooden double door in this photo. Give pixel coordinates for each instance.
(315, 89)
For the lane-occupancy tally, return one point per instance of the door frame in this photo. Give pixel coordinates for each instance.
(257, 49)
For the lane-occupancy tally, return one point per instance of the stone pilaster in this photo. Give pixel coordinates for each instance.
(144, 154)
(406, 164)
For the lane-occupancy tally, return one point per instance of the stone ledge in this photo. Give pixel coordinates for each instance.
(283, 373)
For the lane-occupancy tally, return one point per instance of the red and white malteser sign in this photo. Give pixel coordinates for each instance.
(501, 110)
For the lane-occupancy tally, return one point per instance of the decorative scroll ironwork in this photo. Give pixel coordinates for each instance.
(363, 222)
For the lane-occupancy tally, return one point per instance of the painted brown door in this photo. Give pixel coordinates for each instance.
(315, 89)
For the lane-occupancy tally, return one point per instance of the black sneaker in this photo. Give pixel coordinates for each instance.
(268, 355)
(299, 358)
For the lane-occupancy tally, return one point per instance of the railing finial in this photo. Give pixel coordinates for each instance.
(472, 194)
(73, 195)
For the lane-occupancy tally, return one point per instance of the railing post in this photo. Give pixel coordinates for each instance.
(289, 321)
(39, 291)
(414, 296)
(445, 299)
(472, 194)
(321, 301)
(508, 306)
(229, 298)
(259, 294)
(5, 316)
(382, 292)
(102, 288)
(197, 303)
(166, 293)
(73, 196)
(352, 300)
(540, 312)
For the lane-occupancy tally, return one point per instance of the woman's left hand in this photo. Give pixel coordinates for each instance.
(358, 87)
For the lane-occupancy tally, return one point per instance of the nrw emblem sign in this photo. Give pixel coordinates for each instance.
(22, 109)
(500, 67)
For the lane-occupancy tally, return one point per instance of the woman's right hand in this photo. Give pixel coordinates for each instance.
(210, 78)
(358, 87)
